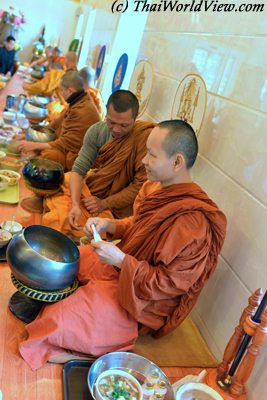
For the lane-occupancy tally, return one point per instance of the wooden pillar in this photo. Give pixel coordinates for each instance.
(234, 343)
(247, 364)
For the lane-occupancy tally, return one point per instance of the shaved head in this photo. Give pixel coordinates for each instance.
(181, 138)
(72, 80)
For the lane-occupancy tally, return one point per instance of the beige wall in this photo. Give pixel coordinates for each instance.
(232, 163)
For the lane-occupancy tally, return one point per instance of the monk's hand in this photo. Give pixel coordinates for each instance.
(27, 147)
(101, 225)
(94, 205)
(19, 136)
(108, 253)
(74, 217)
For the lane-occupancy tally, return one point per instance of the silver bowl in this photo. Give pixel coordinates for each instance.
(40, 100)
(37, 133)
(37, 74)
(43, 258)
(139, 367)
(31, 110)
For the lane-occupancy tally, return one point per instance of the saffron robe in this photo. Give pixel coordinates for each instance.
(48, 85)
(71, 127)
(171, 243)
(116, 176)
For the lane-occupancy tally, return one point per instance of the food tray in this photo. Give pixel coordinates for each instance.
(75, 380)
(10, 195)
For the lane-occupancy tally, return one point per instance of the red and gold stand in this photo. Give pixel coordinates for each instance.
(233, 387)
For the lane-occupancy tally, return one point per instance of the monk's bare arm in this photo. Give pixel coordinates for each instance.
(76, 185)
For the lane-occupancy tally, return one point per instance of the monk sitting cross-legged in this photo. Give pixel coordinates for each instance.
(70, 126)
(108, 172)
(153, 277)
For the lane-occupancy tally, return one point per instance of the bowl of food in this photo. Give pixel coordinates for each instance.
(9, 117)
(43, 258)
(4, 181)
(13, 227)
(5, 237)
(196, 390)
(37, 133)
(11, 164)
(43, 174)
(138, 367)
(13, 176)
(2, 155)
(115, 384)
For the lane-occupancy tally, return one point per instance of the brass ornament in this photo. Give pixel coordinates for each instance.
(190, 101)
(141, 83)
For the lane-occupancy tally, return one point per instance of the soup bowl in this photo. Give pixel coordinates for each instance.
(43, 174)
(117, 381)
(133, 364)
(5, 237)
(43, 258)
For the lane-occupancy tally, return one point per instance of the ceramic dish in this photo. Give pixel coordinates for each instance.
(10, 163)
(195, 390)
(120, 382)
(13, 176)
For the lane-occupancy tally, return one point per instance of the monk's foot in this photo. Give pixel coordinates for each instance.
(65, 357)
(33, 204)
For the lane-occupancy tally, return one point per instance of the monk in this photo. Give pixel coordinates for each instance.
(153, 277)
(70, 127)
(108, 172)
(45, 61)
(49, 85)
(57, 55)
(88, 77)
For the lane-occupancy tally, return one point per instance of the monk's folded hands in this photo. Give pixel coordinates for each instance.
(94, 204)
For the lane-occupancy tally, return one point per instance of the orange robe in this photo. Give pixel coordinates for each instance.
(71, 127)
(172, 244)
(116, 176)
(48, 85)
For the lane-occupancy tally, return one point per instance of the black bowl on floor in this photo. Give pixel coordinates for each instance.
(43, 174)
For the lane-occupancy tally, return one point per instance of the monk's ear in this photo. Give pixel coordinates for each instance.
(179, 161)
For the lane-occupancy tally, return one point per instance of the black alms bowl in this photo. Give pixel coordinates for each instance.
(43, 258)
(43, 174)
